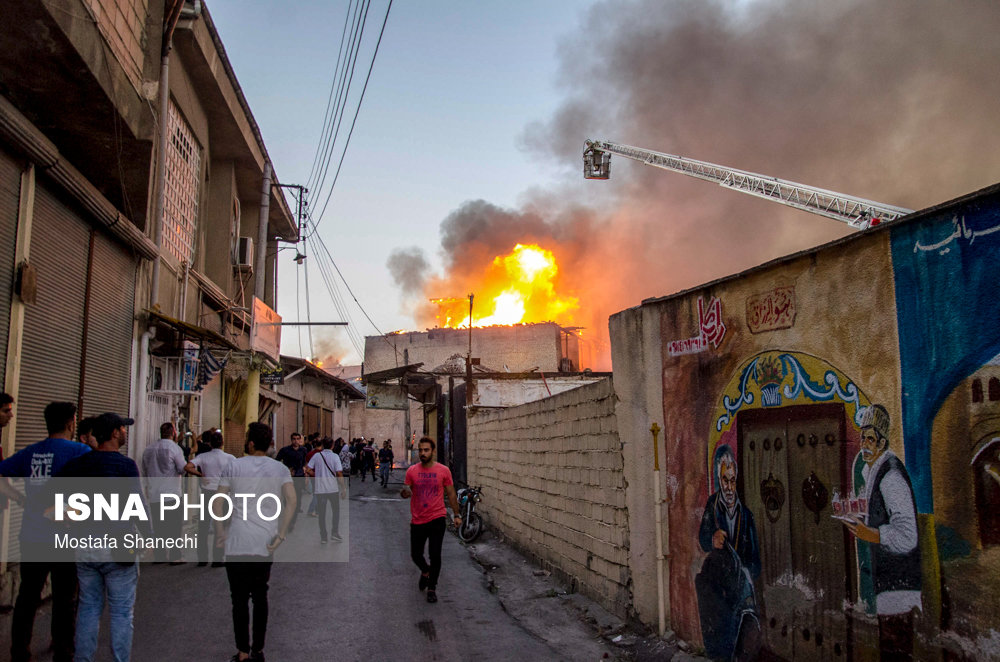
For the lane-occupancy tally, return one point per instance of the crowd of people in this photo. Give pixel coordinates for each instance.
(85, 580)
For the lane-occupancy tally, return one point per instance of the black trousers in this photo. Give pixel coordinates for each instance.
(299, 483)
(205, 532)
(29, 596)
(433, 533)
(329, 500)
(248, 578)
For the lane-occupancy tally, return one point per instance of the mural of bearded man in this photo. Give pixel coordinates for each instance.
(728, 534)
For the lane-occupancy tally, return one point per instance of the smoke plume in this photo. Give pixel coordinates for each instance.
(893, 101)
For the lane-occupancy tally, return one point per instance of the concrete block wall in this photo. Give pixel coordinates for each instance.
(553, 482)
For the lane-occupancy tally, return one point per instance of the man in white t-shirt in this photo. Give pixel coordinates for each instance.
(257, 527)
(211, 464)
(163, 461)
(328, 482)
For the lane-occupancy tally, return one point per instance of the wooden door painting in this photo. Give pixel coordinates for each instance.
(794, 459)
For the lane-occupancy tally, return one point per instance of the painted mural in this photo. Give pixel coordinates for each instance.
(835, 524)
(829, 494)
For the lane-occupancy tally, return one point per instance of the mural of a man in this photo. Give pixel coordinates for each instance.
(725, 584)
(891, 528)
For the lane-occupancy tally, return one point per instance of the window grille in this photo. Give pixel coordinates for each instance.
(180, 209)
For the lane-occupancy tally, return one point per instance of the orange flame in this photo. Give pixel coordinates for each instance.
(517, 288)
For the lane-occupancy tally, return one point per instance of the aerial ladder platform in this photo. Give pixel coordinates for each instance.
(856, 212)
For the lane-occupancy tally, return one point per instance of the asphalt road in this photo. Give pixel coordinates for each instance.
(367, 608)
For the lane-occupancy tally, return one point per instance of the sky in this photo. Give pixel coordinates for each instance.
(453, 87)
(472, 128)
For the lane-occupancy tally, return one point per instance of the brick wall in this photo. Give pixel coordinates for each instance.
(553, 483)
(123, 24)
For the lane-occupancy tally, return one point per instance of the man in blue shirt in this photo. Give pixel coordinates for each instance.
(36, 464)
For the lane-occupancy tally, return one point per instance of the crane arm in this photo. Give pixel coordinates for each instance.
(856, 212)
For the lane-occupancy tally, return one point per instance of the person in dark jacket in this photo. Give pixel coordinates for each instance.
(725, 584)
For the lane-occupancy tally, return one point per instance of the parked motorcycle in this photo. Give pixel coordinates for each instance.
(472, 522)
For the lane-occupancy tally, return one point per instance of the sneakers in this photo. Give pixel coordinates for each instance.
(335, 538)
(256, 656)
(322, 541)
(422, 584)
(432, 595)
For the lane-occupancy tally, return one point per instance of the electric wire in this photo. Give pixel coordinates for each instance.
(338, 303)
(347, 142)
(346, 76)
(333, 86)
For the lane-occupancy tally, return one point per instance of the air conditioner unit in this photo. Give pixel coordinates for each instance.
(244, 253)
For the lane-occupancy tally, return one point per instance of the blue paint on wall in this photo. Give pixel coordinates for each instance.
(947, 277)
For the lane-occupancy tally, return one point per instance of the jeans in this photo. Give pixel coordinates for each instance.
(248, 578)
(420, 534)
(119, 582)
(384, 469)
(29, 596)
(329, 500)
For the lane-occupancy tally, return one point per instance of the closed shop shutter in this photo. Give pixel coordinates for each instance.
(327, 423)
(288, 421)
(53, 325)
(10, 187)
(310, 419)
(109, 331)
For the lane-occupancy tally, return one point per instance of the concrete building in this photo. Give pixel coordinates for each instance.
(101, 303)
(518, 348)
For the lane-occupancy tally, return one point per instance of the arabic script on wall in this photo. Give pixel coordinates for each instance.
(771, 310)
(711, 329)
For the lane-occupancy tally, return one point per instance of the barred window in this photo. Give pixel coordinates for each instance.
(183, 183)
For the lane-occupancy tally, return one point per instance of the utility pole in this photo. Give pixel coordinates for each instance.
(468, 360)
(406, 417)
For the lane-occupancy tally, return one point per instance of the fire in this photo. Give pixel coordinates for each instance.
(514, 289)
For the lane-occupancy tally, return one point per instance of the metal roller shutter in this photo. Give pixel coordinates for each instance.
(109, 334)
(310, 419)
(10, 187)
(327, 423)
(53, 325)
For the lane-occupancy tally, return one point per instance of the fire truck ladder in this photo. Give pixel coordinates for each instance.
(856, 212)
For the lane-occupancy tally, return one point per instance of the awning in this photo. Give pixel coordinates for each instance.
(191, 330)
(391, 373)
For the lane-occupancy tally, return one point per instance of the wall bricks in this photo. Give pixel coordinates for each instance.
(552, 473)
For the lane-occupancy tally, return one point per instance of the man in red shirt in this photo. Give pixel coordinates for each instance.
(429, 482)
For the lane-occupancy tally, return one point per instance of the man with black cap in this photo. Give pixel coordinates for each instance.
(890, 527)
(103, 570)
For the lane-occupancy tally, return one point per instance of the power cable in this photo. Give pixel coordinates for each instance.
(343, 90)
(357, 110)
(333, 86)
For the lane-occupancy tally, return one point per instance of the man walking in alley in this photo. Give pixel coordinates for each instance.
(258, 527)
(325, 467)
(293, 456)
(164, 462)
(427, 483)
(211, 465)
(113, 572)
(385, 458)
(37, 463)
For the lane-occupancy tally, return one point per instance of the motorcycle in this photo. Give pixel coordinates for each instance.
(472, 522)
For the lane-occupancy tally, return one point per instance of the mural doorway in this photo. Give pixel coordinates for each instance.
(794, 459)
